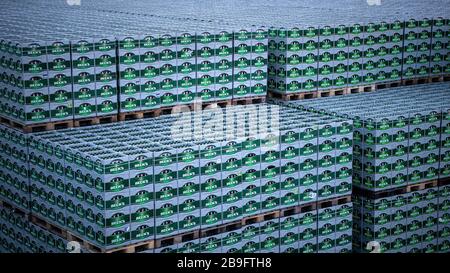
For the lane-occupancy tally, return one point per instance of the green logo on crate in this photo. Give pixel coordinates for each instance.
(326, 44)
(106, 76)
(59, 64)
(206, 38)
(206, 94)
(34, 66)
(149, 87)
(186, 53)
(292, 60)
(130, 103)
(84, 78)
(34, 50)
(224, 51)
(186, 39)
(294, 73)
(211, 218)
(129, 89)
(37, 114)
(186, 82)
(128, 43)
(151, 72)
(326, 57)
(310, 71)
(107, 106)
(142, 232)
(166, 210)
(209, 152)
(106, 91)
(310, 32)
(242, 49)
(105, 45)
(293, 86)
(106, 60)
(272, 45)
(35, 83)
(310, 45)
(206, 80)
(149, 57)
(223, 65)
(141, 179)
(210, 168)
(259, 75)
(259, 48)
(186, 68)
(223, 78)
(167, 84)
(167, 55)
(211, 185)
(166, 193)
(205, 66)
(189, 205)
(231, 164)
(166, 69)
(60, 80)
(206, 52)
(58, 48)
(37, 99)
(61, 111)
(84, 62)
(224, 37)
(149, 42)
(189, 222)
(260, 34)
(129, 58)
(167, 227)
(382, 39)
(186, 96)
(243, 35)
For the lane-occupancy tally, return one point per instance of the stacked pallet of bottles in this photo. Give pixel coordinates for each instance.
(19, 235)
(401, 165)
(51, 74)
(118, 184)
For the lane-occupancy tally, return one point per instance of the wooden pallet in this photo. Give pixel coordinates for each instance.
(421, 186)
(250, 100)
(186, 236)
(332, 92)
(149, 113)
(48, 226)
(444, 181)
(424, 80)
(152, 113)
(94, 121)
(361, 89)
(211, 231)
(298, 209)
(17, 210)
(38, 127)
(334, 202)
(135, 248)
(384, 85)
(292, 96)
(437, 78)
(260, 217)
(212, 105)
(177, 238)
(357, 191)
(85, 243)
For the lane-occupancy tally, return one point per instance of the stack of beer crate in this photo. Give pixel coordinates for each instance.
(401, 166)
(150, 182)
